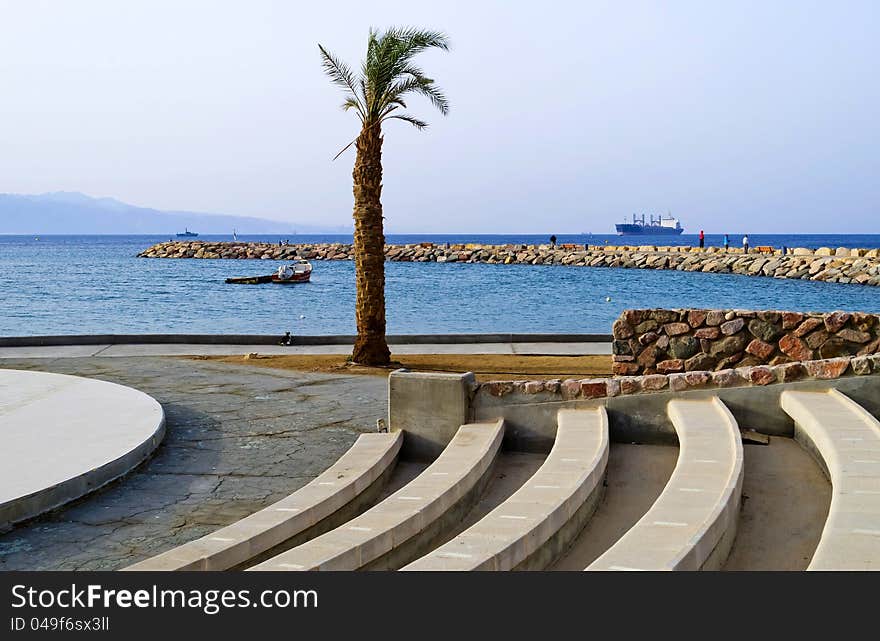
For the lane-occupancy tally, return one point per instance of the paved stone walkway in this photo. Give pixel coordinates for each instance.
(238, 439)
(183, 349)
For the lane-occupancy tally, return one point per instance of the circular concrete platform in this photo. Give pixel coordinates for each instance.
(62, 437)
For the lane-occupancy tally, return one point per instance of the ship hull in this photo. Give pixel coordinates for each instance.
(627, 229)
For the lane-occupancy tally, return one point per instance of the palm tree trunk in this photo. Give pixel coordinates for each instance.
(370, 347)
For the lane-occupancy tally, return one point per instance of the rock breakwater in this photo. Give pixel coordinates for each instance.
(841, 265)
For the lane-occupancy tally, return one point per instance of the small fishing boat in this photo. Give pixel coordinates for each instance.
(299, 271)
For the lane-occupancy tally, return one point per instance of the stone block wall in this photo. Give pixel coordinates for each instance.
(746, 376)
(666, 341)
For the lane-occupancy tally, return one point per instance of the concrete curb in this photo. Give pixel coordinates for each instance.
(531, 526)
(398, 529)
(692, 534)
(273, 339)
(338, 494)
(844, 438)
(85, 479)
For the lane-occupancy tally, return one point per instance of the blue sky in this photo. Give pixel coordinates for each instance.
(566, 117)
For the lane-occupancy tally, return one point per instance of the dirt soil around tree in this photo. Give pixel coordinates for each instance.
(486, 367)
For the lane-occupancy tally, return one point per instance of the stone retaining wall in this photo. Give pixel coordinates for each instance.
(637, 405)
(759, 375)
(840, 265)
(672, 350)
(665, 341)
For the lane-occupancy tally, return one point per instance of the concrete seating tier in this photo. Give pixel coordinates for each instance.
(65, 436)
(403, 526)
(692, 524)
(540, 519)
(339, 493)
(845, 438)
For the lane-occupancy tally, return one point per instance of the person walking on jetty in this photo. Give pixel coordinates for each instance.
(702, 239)
(553, 240)
(746, 244)
(726, 242)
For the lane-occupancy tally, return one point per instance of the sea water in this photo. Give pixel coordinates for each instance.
(96, 284)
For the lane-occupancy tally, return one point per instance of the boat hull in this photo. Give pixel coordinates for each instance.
(293, 280)
(270, 278)
(627, 229)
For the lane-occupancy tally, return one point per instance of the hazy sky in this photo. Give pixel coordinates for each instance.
(736, 116)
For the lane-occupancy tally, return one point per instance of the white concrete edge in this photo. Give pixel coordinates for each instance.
(455, 489)
(870, 421)
(256, 533)
(723, 515)
(816, 439)
(527, 543)
(51, 498)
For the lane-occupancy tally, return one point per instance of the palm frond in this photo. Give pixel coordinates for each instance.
(413, 40)
(436, 96)
(394, 51)
(409, 69)
(415, 122)
(340, 74)
(387, 75)
(351, 103)
(422, 86)
(342, 151)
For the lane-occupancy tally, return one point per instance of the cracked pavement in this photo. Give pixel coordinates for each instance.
(238, 438)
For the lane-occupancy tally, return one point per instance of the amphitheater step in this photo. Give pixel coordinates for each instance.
(845, 438)
(340, 492)
(692, 524)
(403, 526)
(542, 517)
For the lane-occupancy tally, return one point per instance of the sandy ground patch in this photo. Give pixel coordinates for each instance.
(785, 503)
(635, 477)
(485, 366)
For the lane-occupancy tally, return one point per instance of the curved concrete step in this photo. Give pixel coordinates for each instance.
(845, 438)
(542, 517)
(692, 524)
(337, 494)
(397, 530)
(64, 436)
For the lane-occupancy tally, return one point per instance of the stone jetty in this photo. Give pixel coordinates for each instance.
(840, 265)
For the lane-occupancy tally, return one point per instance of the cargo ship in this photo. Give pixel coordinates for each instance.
(663, 225)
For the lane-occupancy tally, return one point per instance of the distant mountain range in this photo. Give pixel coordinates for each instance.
(67, 212)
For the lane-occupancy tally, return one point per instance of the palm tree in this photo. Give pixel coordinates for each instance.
(377, 95)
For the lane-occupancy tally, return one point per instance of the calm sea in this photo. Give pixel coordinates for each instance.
(95, 284)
